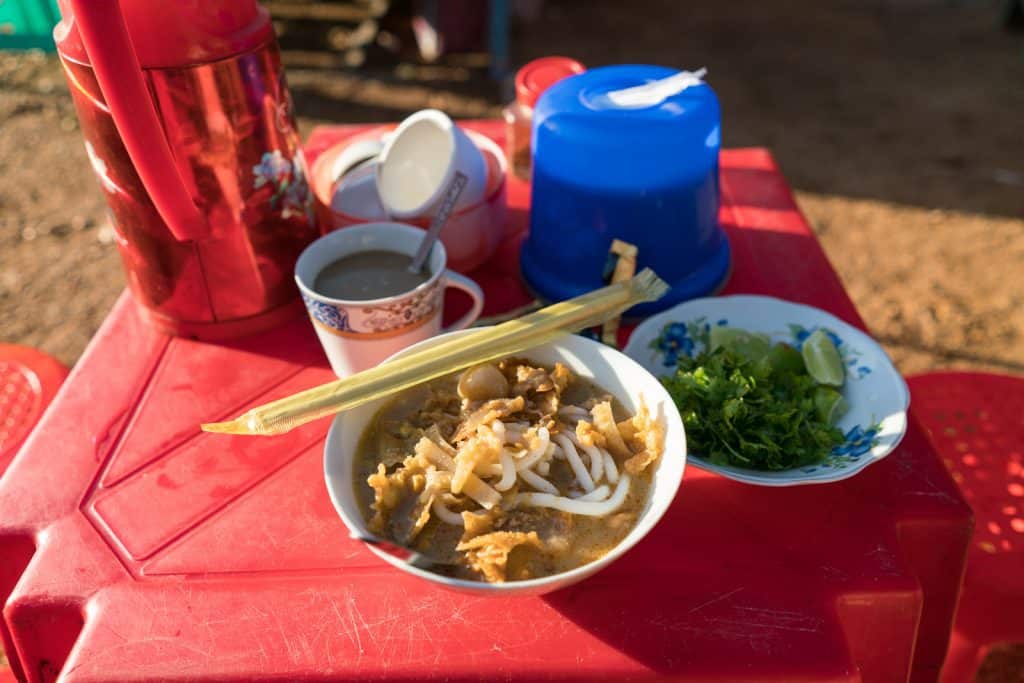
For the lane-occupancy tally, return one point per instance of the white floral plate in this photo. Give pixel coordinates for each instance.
(877, 395)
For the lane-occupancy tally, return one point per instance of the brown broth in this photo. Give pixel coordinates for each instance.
(368, 275)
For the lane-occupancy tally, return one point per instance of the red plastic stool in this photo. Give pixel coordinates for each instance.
(976, 422)
(29, 379)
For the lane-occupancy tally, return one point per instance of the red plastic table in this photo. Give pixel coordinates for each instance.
(134, 547)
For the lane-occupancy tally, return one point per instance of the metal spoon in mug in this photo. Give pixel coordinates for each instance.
(451, 195)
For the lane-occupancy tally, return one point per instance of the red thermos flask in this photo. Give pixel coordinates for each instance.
(189, 128)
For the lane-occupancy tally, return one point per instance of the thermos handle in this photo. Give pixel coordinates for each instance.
(106, 40)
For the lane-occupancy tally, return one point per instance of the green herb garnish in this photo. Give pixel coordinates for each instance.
(757, 409)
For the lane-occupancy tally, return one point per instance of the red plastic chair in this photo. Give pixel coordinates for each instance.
(976, 422)
(29, 379)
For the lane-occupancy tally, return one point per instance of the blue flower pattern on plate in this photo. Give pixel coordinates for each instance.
(858, 442)
(674, 340)
(327, 314)
(682, 339)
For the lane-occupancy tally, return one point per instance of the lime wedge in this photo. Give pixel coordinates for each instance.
(822, 360)
(784, 359)
(829, 404)
(750, 345)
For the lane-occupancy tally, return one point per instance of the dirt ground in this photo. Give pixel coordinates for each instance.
(898, 123)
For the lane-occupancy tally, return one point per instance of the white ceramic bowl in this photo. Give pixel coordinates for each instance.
(878, 398)
(354, 155)
(606, 367)
(472, 233)
(419, 162)
(356, 194)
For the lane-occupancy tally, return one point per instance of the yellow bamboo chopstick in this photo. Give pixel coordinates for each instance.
(446, 357)
(625, 267)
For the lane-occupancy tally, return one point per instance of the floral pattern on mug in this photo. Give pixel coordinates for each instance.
(328, 315)
(409, 311)
(287, 178)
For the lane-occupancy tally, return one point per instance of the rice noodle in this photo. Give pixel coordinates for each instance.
(595, 455)
(582, 475)
(573, 412)
(508, 472)
(543, 468)
(545, 439)
(434, 434)
(528, 462)
(498, 427)
(611, 472)
(604, 420)
(514, 437)
(444, 514)
(577, 507)
(598, 494)
(535, 454)
(538, 482)
(437, 481)
(435, 454)
(474, 487)
(481, 492)
(481, 449)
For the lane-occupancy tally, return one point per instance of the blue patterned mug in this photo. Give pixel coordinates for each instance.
(357, 335)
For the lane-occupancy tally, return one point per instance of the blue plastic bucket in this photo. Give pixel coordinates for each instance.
(646, 175)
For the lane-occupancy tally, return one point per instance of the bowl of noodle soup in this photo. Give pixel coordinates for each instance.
(532, 486)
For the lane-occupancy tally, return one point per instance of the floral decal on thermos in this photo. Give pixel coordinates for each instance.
(287, 178)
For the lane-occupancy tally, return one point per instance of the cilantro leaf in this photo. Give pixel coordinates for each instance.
(750, 413)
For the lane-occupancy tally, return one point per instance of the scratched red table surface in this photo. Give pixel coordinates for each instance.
(134, 547)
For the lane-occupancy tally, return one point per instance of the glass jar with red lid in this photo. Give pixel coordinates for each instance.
(531, 80)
